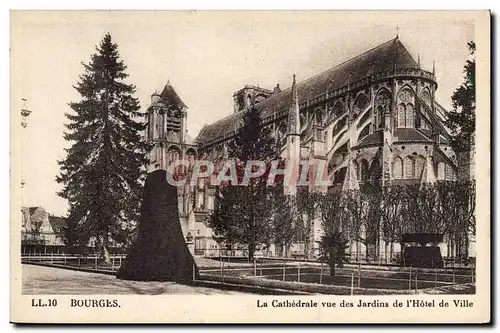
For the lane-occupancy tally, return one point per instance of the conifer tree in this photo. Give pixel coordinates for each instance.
(104, 167)
(462, 120)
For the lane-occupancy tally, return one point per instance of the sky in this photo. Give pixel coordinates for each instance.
(206, 56)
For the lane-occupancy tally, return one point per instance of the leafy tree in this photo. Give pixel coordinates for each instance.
(330, 208)
(458, 212)
(356, 208)
(462, 120)
(392, 219)
(103, 169)
(285, 222)
(363, 213)
(243, 214)
(307, 206)
(333, 246)
(429, 210)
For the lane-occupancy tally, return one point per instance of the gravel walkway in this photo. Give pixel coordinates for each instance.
(49, 280)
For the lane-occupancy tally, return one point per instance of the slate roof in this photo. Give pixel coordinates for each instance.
(375, 139)
(399, 135)
(57, 223)
(169, 96)
(32, 210)
(410, 135)
(381, 58)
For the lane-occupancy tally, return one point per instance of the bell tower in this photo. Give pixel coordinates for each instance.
(167, 116)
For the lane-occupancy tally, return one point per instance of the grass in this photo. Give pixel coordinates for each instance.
(375, 279)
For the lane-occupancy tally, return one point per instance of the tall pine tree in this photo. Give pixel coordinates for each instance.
(104, 167)
(242, 214)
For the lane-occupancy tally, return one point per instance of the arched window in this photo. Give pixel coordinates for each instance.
(191, 156)
(426, 96)
(441, 171)
(382, 102)
(158, 120)
(338, 110)
(397, 168)
(172, 155)
(361, 102)
(364, 170)
(380, 117)
(409, 116)
(419, 166)
(401, 115)
(409, 168)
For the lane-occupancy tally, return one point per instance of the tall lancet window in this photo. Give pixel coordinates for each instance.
(419, 166)
(172, 155)
(401, 115)
(382, 105)
(410, 116)
(406, 112)
(409, 167)
(158, 125)
(380, 116)
(397, 168)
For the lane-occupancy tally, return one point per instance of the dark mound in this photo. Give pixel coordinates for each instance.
(160, 252)
(423, 256)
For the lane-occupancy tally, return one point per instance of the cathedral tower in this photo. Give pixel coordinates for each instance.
(166, 127)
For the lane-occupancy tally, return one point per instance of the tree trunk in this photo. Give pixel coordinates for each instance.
(391, 256)
(351, 248)
(386, 251)
(306, 243)
(331, 263)
(103, 250)
(466, 248)
(366, 251)
(251, 251)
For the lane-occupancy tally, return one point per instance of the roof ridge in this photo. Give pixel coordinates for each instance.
(348, 60)
(377, 58)
(338, 65)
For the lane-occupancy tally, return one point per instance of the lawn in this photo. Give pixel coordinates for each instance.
(364, 278)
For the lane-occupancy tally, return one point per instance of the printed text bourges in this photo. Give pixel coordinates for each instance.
(77, 303)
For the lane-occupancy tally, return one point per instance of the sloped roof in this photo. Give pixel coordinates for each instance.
(410, 134)
(381, 58)
(169, 96)
(57, 223)
(375, 138)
